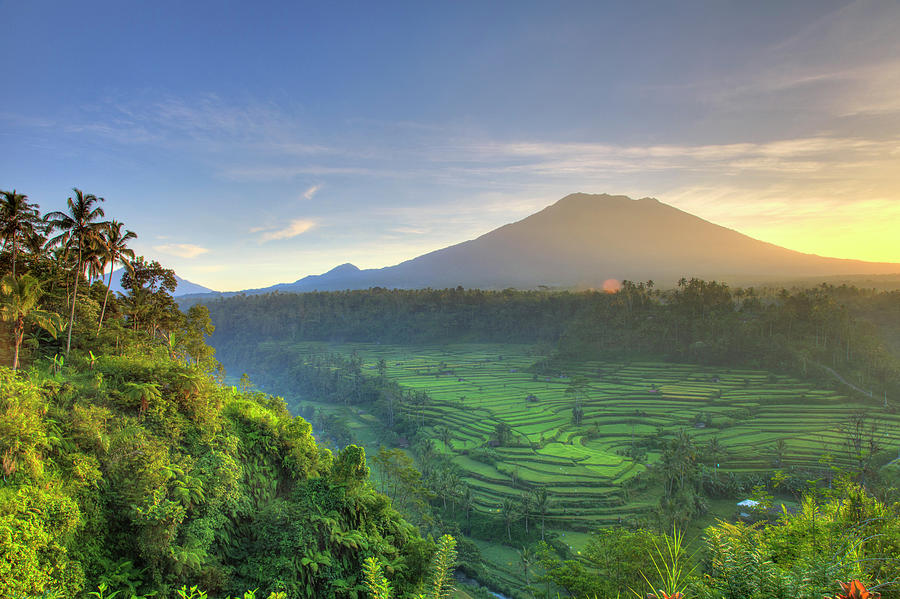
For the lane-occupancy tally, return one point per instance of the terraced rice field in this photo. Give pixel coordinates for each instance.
(475, 387)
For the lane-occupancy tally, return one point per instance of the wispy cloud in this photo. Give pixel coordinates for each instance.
(407, 230)
(182, 250)
(311, 191)
(206, 268)
(803, 156)
(247, 171)
(205, 124)
(296, 227)
(805, 76)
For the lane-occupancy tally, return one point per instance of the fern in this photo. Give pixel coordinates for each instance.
(441, 585)
(373, 578)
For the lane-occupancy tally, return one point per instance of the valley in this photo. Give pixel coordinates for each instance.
(498, 425)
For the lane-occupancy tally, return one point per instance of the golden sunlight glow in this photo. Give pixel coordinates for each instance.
(611, 285)
(873, 238)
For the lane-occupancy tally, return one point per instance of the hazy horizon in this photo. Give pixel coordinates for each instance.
(251, 147)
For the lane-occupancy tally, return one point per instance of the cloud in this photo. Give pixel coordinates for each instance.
(297, 227)
(182, 250)
(407, 230)
(204, 124)
(210, 268)
(823, 155)
(250, 172)
(309, 193)
(841, 64)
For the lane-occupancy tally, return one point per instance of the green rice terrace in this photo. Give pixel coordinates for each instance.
(761, 420)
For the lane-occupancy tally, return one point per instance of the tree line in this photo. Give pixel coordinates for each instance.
(58, 278)
(808, 332)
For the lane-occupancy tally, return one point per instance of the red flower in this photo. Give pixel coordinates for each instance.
(855, 590)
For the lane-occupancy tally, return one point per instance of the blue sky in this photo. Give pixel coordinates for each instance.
(254, 143)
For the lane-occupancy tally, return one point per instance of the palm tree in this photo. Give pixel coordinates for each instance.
(467, 500)
(780, 451)
(526, 559)
(541, 505)
(526, 508)
(17, 219)
(445, 436)
(510, 515)
(20, 305)
(33, 243)
(115, 249)
(79, 228)
(92, 260)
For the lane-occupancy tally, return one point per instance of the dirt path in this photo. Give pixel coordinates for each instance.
(840, 378)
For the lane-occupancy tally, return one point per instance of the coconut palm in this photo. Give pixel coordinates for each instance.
(510, 514)
(17, 219)
(79, 229)
(19, 305)
(541, 506)
(527, 505)
(115, 249)
(33, 243)
(467, 501)
(445, 436)
(92, 260)
(526, 559)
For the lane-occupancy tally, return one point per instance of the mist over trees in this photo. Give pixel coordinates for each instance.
(805, 331)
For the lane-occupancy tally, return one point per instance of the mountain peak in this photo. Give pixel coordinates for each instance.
(602, 201)
(343, 269)
(583, 240)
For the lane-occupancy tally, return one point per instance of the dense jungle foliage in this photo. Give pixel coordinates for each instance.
(128, 467)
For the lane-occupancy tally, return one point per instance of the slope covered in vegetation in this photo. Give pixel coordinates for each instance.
(125, 461)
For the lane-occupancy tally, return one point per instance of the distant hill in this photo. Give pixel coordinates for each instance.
(344, 276)
(184, 287)
(583, 240)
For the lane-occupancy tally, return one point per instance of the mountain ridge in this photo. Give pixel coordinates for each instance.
(183, 287)
(584, 239)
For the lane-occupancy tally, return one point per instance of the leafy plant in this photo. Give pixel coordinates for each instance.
(672, 568)
(440, 585)
(100, 593)
(20, 306)
(373, 577)
(190, 593)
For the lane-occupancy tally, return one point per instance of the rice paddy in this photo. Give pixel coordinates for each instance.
(585, 467)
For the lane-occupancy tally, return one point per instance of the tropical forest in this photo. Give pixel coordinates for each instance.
(507, 299)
